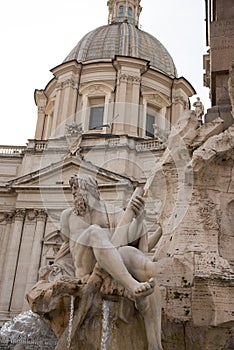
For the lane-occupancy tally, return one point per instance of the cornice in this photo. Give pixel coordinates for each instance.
(70, 66)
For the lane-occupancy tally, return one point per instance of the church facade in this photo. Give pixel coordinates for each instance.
(107, 112)
(218, 62)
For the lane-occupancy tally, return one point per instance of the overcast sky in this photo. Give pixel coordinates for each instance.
(36, 36)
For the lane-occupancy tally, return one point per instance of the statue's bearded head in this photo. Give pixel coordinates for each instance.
(83, 187)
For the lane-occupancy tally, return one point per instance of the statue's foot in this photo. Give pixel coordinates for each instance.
(145, 288)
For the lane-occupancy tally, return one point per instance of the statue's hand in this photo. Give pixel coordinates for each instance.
(138, 205)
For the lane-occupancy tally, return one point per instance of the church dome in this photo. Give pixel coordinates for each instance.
(122, 37)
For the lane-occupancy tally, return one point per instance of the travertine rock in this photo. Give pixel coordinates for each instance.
(112, 323)
(195, 253)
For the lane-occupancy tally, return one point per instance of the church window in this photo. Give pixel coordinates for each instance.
(96, 118)
(96, 114)
(121, 13)
(129, 13)
(150, 121)
(96, 107)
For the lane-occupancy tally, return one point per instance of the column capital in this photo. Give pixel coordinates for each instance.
(66, 83)
(6, 217)
(41, 214)
(19, 214)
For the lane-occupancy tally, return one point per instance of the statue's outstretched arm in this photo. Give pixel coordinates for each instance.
(154, 237)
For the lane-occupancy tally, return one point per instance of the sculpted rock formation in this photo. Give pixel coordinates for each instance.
(26, 331)
(196, 249)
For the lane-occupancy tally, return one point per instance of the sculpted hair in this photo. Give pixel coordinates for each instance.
(86, 183)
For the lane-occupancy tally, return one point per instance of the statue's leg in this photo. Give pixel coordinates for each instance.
(139, 265)
(109, 259)
(142, 268)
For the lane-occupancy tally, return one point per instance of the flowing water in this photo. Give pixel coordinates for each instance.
(105, 324)
(70, 322)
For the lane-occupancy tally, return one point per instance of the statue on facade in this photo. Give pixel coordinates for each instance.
(101, 255)
(74, 137)
(199, 109)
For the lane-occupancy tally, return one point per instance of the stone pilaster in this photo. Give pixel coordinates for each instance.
(67, 77)
(12, 260)
(135, 81)
(119, 127)
(41, 217)
(179, 105)
(128, 91)
(41, 101)
(6, 219)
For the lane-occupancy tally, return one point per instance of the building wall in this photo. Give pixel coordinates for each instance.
(220, 38)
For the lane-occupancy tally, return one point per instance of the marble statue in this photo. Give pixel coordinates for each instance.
(74, 137)
(89, 228)
(199, 109)
(103, 251)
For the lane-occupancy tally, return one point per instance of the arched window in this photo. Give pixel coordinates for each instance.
(121, 13)
(130, 13)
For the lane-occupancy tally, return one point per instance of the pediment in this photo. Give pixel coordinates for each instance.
(58, 175)
(157, 98)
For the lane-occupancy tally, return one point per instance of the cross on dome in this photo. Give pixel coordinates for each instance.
(124, 11)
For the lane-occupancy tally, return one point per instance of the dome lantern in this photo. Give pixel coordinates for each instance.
(124, 11)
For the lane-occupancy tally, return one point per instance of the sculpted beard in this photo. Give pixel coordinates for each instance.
(80, 204)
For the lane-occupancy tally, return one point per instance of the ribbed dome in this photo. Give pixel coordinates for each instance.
(123, 39)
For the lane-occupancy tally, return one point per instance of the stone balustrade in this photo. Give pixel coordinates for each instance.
(36, 145)
(113, 142)
(12, 150)
(40, 145)
(151, 145)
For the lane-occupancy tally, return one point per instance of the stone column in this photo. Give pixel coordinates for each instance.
(178, 106)
(40, 123)
(142, 122)
(84, 113)
(54, 129)
(41, 101)
(119, 126)
(106, 109)
(48, 124)
(135, 80)
(7, 218)
(67, 76)
(36, 252)
(70, 87)
(11, 261)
